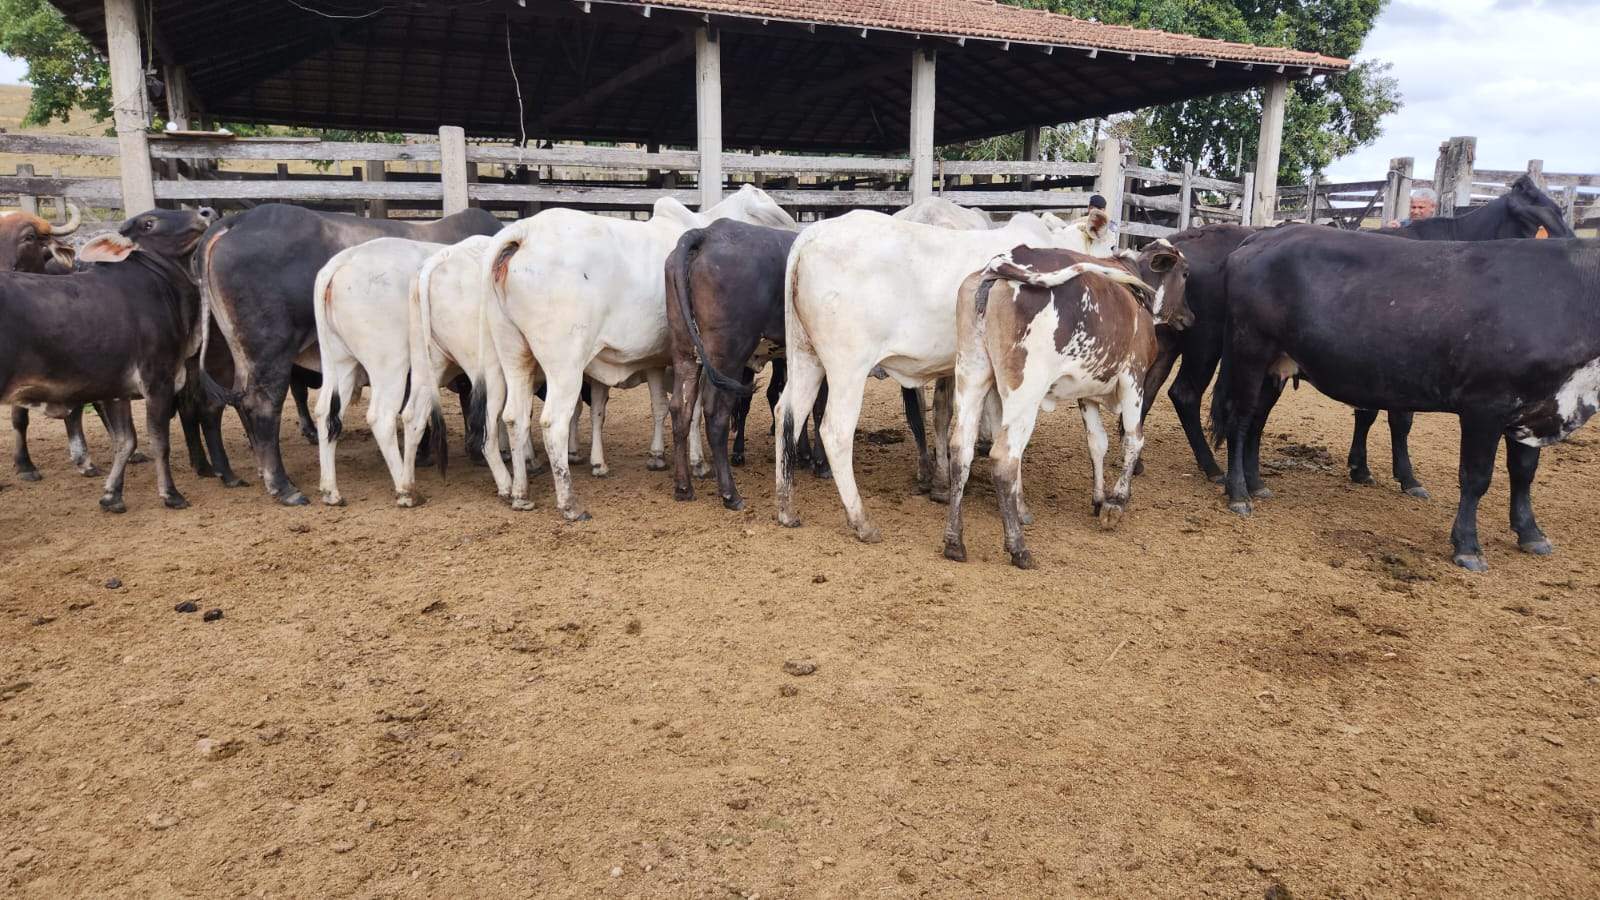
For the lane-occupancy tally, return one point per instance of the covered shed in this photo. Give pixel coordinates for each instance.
(818, 76)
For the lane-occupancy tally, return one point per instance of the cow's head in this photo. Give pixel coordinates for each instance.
(753, 205)
(172, 233)
(1528, 209)
(1163, 267)
(31, 244)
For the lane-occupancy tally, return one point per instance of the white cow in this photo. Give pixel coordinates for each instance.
(581, 295)
(363, 337)
(867, 290)
(945, 214)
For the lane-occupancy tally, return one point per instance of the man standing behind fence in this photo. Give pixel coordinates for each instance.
(1424, 203)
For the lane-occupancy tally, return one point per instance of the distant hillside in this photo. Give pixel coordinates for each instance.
(14, 104)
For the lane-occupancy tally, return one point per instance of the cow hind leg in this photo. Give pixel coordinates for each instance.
(1359, 472)
(1400, 446)
(119, 422)
(942, 412)
(657, 380)
(698, 464)
(1099, 442)
(1480, 440)
(741, 412)
(802, 382)
(1271, 390)
(193, 443)
(599, 399)
(387, 400)
(1185, 394)
(78, 445)
(159, 405)
(838, 439)
(719, 417)
(561, 402)
(1009, 443)
(681, 405)
(1130, 403)
(911, 400)
(210, 416)
(517, 412)
(971, 384)
(333, 401)
(1522, 463)
(21, 462)
(263, 407)
(298, 389)
(1154, 378)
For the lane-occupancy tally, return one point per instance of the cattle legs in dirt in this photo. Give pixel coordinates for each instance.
(1399, 433)
(77, 446)
(1480, 440)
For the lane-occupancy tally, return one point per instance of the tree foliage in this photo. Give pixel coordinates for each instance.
(63, 69)
(1326, 117)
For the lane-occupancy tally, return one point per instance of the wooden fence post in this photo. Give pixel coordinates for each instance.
(1269, 151)
(1452, 175)
(1030, 152)
(1571, 213)
(1247, 199)
(453, 167)
(923, 67)
(1311, 199)
(1536, 172)
(376, 209)
(1397, 191)
(708, 114)
(1185, 196)
(28, 203)
(128, 105)
(1108, 183)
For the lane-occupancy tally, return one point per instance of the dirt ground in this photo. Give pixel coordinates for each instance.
(461, 700)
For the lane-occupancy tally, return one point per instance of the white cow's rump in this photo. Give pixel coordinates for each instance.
(575, 295)
(363, 334)
(867, 290)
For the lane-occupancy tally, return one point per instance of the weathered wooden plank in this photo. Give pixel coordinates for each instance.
(1269, 150)
(814, 165)
(57, 145)
(1217, 184)
(1185, 196)
(1506, 176)
(577, 194)
(453, 167)
(123, 19)
(1021, 199)
(299, 190)
(923, 67)
(587, 157)
(100, 191)
(1020, 167)
(1109, 180)
(291, 150)
(1143, 201)
(1144, 229)
(1157, 176)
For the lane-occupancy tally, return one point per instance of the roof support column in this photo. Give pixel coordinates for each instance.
(453, 167)
(923, 63)
(1030, 152)
(1269, 151)
(708, 114)
(128, 105)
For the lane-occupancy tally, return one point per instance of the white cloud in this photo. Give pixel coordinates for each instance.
(11, 70)
(1517, 74)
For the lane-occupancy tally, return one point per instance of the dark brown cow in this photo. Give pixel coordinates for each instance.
(1038, 326)
(31, 244)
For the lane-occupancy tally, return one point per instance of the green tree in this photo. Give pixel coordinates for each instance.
(1326, 117)
(64, 70)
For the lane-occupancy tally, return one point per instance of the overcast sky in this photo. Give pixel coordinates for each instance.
(1521, 75)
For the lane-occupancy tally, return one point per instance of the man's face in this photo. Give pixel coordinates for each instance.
(1421, 208)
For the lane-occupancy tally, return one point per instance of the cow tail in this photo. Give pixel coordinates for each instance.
(424, 391)
(1221, 395)
(679, 283)
(335, 423)
(216, 393)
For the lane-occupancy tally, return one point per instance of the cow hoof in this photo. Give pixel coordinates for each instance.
(234, 481)
(175, 501)
(683, 493)
(734, 503)
(1472, 562)
(1240, 507)
(656, 464)
(600, 471)
(1361, 476)
(1022, 559)
(294, 498)
(1138, 467)
(30, 475)
(199, 472)
(576, 515)
(1216, 476)
(1111, 515)
(573, 456)
(788, 521)
(1538, 547)
(939, 496)
(700, 470)
(823, 472)
(332, 498)
(736, 459)
(138, 456)
(1262, 493)
(409, 499)
(955, 550)
(869, 535)
(521, 504)
(113, 504)
(1419, 492)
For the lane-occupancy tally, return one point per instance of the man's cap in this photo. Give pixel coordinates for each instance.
(1097, 202)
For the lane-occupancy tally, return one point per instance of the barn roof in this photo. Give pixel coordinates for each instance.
(818, 75)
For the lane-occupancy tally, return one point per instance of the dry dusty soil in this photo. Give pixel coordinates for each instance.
(461, 700)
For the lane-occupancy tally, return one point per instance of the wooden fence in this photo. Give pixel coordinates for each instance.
(520, 181)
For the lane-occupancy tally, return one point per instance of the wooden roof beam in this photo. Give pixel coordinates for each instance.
(680, 50)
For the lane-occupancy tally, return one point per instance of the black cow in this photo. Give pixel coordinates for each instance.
(119, 330)
(1517, 214)
(724, 298)
(257, 272)
(1505, 334)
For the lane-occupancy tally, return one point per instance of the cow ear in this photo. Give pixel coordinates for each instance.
(107, 248)
(1163, 261)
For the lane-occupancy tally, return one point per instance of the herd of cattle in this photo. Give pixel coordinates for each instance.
(194, 313)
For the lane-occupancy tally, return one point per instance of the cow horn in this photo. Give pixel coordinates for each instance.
(69, 226)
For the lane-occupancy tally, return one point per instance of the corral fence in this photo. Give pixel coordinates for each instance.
(1457, 181)
(424, 178)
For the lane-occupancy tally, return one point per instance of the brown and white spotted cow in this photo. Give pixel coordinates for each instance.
(1038, 326)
